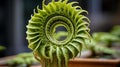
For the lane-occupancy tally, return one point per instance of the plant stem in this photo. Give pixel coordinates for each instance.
(48, 63)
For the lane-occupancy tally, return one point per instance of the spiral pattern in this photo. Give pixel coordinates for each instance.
(43, 24)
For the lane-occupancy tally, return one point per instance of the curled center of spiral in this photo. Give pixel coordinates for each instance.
(55, 22)
(60, 33)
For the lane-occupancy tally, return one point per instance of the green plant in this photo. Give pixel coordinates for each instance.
(2, 48)
(60, 34)
(105, 38)
(42, 27)
(116, 30)
(22, 59)
(101, 43)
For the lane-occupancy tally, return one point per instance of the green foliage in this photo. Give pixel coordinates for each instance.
(101, 42)
(2, 48)
(22, 59)
(104, 37)
(43, 24)
(116, 30)
(98, 47)
(60, 34)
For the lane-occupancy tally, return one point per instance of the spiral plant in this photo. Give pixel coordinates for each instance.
(42, 26)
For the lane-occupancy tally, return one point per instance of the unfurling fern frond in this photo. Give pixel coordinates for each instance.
(42, 26)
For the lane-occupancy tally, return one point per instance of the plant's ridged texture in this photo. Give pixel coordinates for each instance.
(42, 25)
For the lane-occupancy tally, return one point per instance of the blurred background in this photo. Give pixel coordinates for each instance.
(14, 16)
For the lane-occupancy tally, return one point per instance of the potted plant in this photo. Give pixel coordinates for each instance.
(101, 45)
(100, 53)
(49, 51)
(116, 45)
(19, 60)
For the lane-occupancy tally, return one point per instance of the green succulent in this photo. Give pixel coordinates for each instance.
(101, 42)
(42, 27)
(25, 59)
(105, 37)
(97, 47)
(116, 30)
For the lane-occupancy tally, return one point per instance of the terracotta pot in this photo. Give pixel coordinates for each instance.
(79, 62)
(86, 62)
